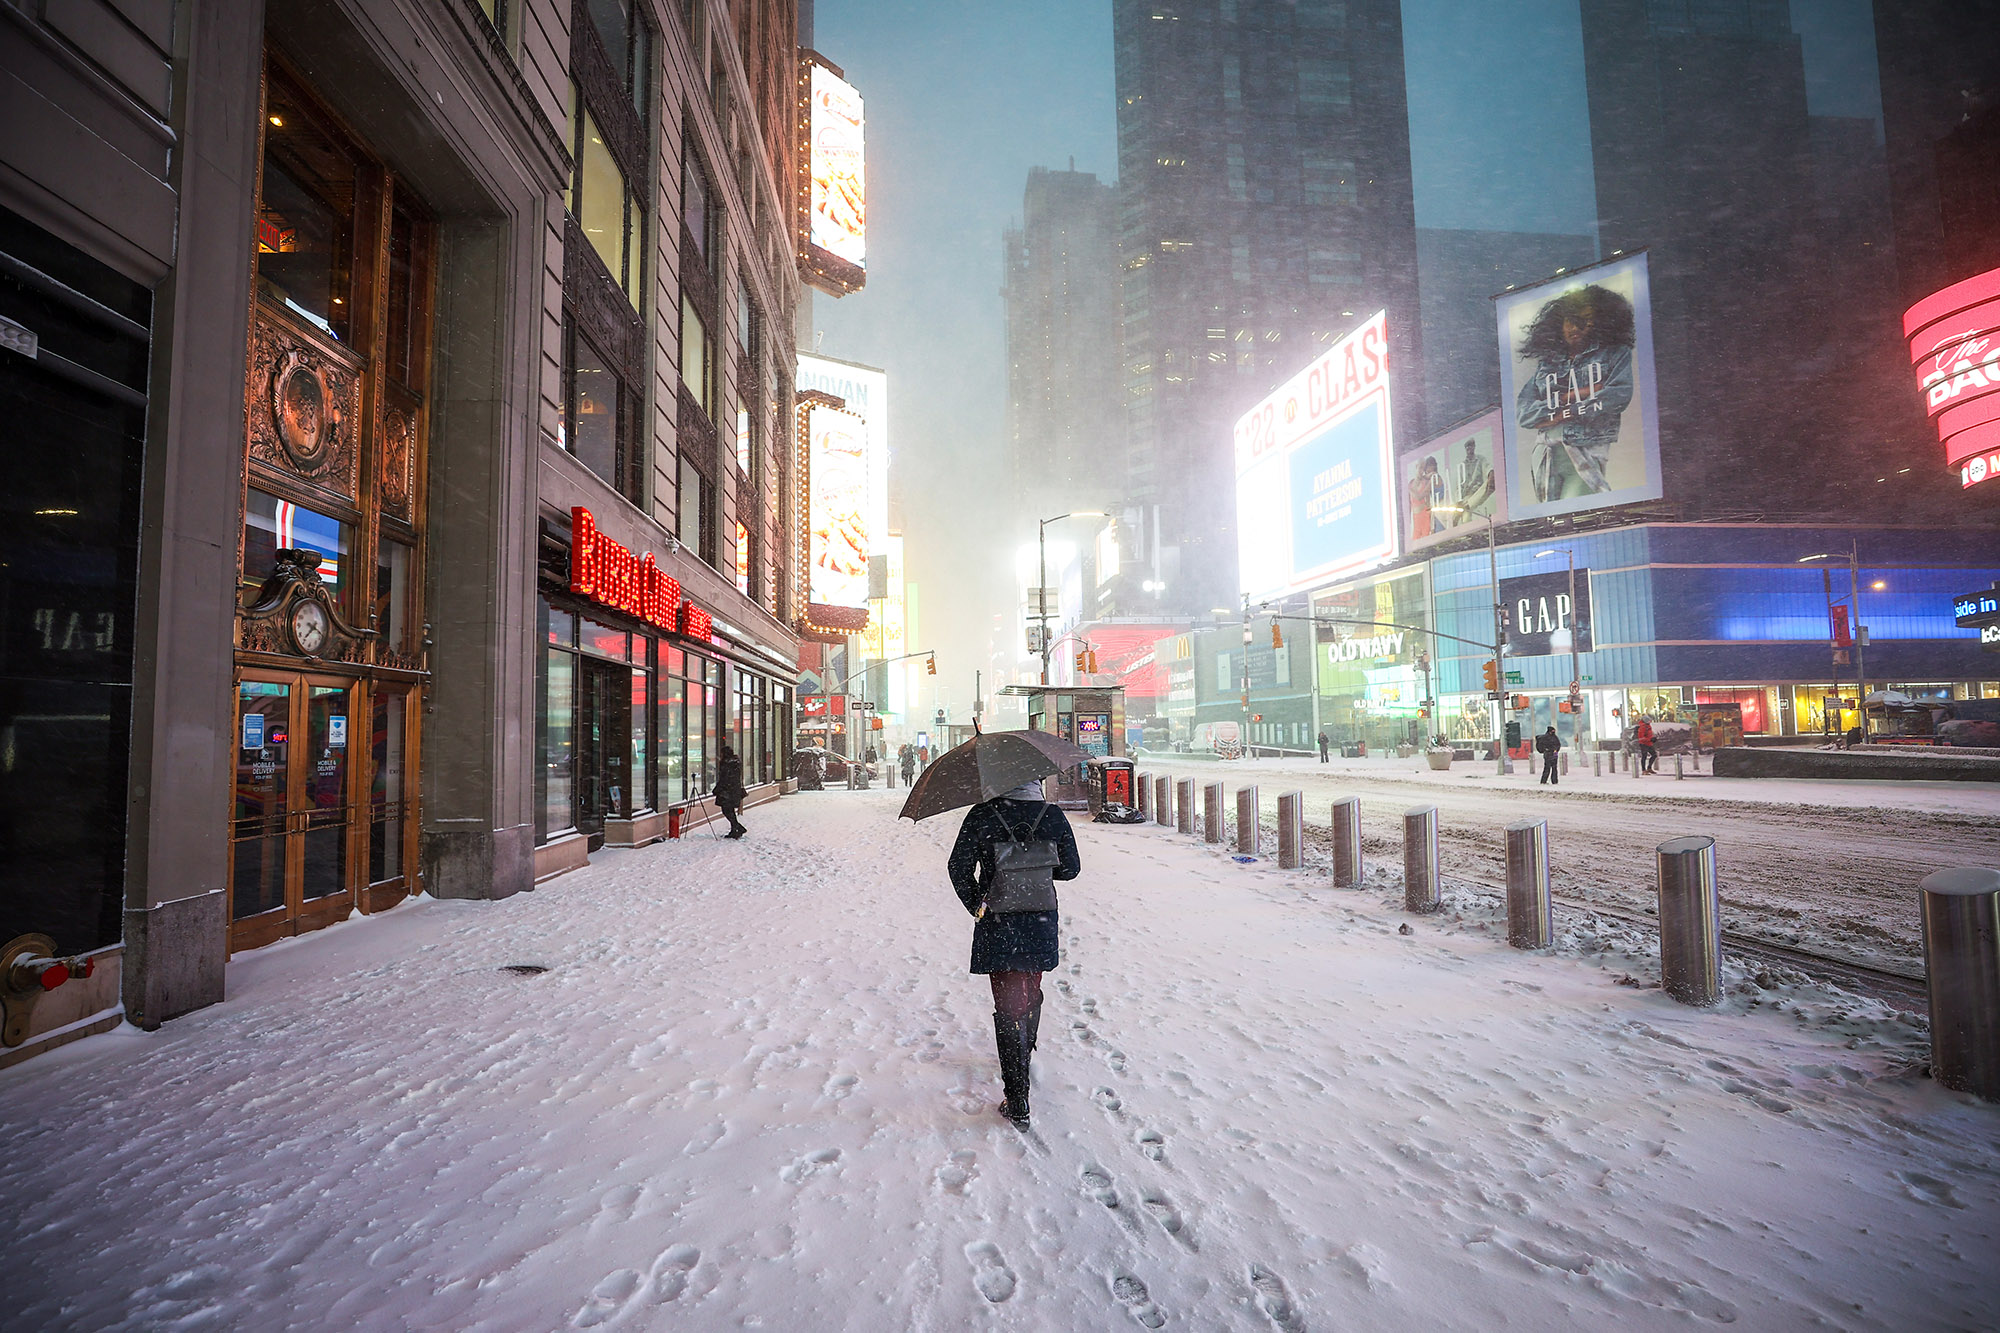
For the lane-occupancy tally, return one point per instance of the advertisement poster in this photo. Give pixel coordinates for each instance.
(1717, 726)
(1579, 400)
(838, 445)
(1315, 495)
(864, 392)
(1451, 482)
(839, 220)
(1540, 618)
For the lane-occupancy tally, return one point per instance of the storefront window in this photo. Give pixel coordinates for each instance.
(604, 640)
(672, 714)
(271, 525)
(304, 222)
(385, 827)
(392, 586)
(644, 788)
(558, 746)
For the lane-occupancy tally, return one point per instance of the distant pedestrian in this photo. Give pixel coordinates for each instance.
(909, 757)
(1323, 744)
(1549, 745)
(729, 790)
(1649, 748)
(1009, 853)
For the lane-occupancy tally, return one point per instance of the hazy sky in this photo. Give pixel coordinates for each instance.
(964, 96)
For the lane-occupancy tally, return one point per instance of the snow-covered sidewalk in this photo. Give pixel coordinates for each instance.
(754, 1090)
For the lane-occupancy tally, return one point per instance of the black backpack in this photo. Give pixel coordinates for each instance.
(1024, 869)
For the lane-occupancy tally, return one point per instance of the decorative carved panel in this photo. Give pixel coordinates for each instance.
(397, 455)
(303, 402)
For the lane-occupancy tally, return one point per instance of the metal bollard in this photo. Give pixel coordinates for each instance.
(1249, 832)
(1142, 791)
(1291, 830)
(1597, 763)
(1184, 805)
(1961, 910)
(1211, 812)
(888, 775)
(1624, 760)
(1677, 767)
(1562, 764)
(1421, 890)
(1163, 801)
(1690, 921)
(1529, 922)
(1347, 843)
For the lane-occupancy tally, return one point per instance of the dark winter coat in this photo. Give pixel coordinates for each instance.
(729, 790)
(1548, 743)
(1015, 941)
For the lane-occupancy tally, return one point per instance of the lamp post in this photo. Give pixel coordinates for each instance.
(1575, 661)
(1500, 760)
(1860, 632)
(1042, 582)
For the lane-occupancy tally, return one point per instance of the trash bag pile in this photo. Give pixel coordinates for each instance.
(1117, 812)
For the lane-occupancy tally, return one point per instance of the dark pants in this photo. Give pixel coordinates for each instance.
(729, 809)
(1549, 768)
(1649, 759)
(1322, 754)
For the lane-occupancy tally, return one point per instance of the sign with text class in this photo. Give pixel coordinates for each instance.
(1954, 338)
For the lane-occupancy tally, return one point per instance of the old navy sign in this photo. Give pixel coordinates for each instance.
(1370, 649)
(606, 572)
(1954, 338)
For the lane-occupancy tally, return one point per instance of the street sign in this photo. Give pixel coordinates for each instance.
(1494, 694)
(1514, 678)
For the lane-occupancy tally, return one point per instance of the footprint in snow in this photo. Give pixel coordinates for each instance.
(839, 1086)
(1097, 1184)
(1109, 1102)
(619, 1203)
(705, 1140)
(996, 1281)
(1115, 1059)
(1132, 1294)
(1275, 1301)
(958, 1173)
(1928, 1189)
(670, 1272)
(809, 1166)
(607, 1298)
(1152, 1143)
(1162, 1210)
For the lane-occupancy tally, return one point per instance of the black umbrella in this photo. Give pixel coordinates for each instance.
(991, 764)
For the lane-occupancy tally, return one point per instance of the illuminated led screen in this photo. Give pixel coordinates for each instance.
(838, 445)
(839, 196)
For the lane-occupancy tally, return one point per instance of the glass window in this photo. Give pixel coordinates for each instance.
(392, 593)
(698, 729)
(496, 14)
(305, 219)
(404, 356)
(593, 418)
(694, 508)
(558, 625)
(271, 525)
(613, 24)
(604, 640)
(668, 754)
(694, 202)
(599, 199)
(558, 747)
(1324, 85)
(385, 835)
(695, 358)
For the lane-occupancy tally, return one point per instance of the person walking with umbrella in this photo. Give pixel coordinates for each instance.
(1012, 848)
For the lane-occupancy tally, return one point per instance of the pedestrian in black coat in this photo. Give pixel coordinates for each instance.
(1012, 948)
(729, 789)
(1549, 745)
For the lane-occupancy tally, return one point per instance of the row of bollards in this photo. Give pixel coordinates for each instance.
(1961, 908)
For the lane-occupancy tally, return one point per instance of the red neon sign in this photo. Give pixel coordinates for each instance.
(606, 572)
(696, 623)
(1954, 340)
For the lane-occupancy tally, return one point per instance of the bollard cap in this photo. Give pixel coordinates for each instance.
(1416, 810)
(1528, 826)
(1681, 846)
(1962, 882)
(1348, 800)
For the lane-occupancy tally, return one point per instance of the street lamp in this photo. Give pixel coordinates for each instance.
(1042, 583)
(1575, 663)
(1860, 633)
(1500, 760)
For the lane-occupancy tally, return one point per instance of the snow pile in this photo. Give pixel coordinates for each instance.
(754, 1090)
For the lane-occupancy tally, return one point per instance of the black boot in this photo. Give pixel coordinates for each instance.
(1010, 1035)
(1034, 1024)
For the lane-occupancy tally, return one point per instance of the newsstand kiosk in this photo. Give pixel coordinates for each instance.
(1091, 717)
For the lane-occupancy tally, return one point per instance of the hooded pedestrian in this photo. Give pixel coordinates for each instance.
(729, 789)
(1649, 749)
(909, 758)
(1549, 745)
(1324, 744)
(1009, 853)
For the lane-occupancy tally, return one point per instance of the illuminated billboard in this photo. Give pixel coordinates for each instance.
(1315, 489)
(864, 392)
(835, 227)
(1580, 404)
(1452, 484)
(837, 445)
(1954, 338)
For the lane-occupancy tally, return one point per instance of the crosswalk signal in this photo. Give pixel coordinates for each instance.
(1492, 669)
(930, 665)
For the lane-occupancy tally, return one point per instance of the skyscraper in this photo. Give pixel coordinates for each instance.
(1065, 423)
(1264, 180)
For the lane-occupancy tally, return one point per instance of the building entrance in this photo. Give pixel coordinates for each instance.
(604, 747)
(292, 841)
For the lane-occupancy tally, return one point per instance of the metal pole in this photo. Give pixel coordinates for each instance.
(1291, 830)
(1163, 801)
(1677, 767)
(1249, 831)
(1597, 763)
(1042, 592)
(1184, 805)
(1690, 921)
(1347, 843)
(1211, 812)
(1860, 634)
(1500, 763)
(1529, 923)
(1961, 911)
(1421, 888)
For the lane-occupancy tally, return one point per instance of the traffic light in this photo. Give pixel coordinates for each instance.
(1091, 654)
(1492, 669)
(1277, 639)
(930, 665)
(1082, 661)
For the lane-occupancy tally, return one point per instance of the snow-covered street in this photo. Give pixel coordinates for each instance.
(754, 1089)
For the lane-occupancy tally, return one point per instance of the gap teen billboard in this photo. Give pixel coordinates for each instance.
(1452, 482)
(1578, 399)
(1315, 495)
